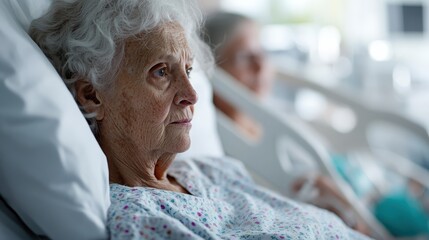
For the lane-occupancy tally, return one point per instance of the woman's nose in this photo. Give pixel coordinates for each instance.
(258, 63)
(186, 95)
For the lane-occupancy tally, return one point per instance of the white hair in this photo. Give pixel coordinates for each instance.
(85, 39)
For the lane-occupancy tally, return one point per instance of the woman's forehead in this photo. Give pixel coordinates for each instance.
(167, 40)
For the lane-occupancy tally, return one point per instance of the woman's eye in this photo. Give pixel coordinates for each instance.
(160, 72)
(188, 72)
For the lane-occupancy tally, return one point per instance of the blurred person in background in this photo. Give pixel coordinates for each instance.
(235, 42)
(209, 6)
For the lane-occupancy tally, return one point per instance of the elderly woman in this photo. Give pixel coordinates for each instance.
(127, 62)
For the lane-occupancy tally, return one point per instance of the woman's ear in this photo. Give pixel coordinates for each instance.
(89, 98)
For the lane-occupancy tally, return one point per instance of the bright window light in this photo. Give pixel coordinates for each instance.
(254, 8)
(380, 50)
(401, 79)
(276, 38)
(310, 105)
(297, 6)
(329, 44)
(343, 120)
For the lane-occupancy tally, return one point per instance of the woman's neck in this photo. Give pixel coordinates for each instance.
(136, 169)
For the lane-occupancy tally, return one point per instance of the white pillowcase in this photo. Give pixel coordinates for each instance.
(52, 170)
(204, 135)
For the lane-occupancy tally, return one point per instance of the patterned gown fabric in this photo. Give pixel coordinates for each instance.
(224, 204)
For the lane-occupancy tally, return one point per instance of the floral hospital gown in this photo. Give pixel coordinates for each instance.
(224, 204)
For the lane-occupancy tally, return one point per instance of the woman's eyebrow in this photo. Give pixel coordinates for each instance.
(177, 57)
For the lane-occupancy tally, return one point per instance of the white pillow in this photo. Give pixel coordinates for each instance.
(205, 139)
(52, 170)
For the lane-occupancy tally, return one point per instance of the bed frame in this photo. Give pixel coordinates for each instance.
(265, 157)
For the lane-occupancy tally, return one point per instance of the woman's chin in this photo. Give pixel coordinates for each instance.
(182, 145)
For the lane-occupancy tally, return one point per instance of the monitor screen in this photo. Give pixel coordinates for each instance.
(406, 18)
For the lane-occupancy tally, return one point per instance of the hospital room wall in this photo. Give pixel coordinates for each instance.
(359, 22)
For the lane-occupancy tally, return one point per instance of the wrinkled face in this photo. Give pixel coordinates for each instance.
(244, 59)
(150, 105)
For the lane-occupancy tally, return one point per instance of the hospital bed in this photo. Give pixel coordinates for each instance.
(281, 130)
(53, 175)
(383, 140)
(360, 139)
(267, 157)
(368, 118)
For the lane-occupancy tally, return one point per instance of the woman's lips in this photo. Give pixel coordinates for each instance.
(186, 122)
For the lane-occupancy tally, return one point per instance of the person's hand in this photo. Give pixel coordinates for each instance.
(323, 192)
